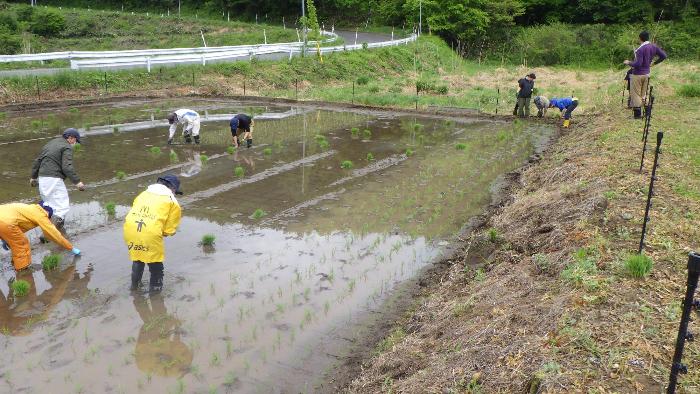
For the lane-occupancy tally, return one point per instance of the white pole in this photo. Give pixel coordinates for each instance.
(265, 35)
(420, 17)
(355, 36)
(284, 25)
(228, 16)
(203, 40)
(178, 8)
(298, 37)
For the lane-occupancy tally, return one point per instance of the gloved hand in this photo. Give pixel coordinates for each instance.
(33, 182)
(76, 251)
(4, 245)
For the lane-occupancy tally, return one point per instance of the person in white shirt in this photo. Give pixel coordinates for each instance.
(190, 121)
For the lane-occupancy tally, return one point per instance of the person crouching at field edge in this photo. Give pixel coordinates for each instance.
(242, 123)
(154, 214)
(566, 105)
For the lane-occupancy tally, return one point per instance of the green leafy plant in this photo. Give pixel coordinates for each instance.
(208, 239)
(115, 130)
(77, 148)
(155, 150)
(239, 171)
(204, 159)
(362, 80)
(324, 144)
(461, 146)
(173, 157)
(409, 152)
(50, 262)
(492, 235)
(231, 150)
(582, 271)
(689, 90)
(638, 265)
(346, 164)
(258, 214)
(355, 131)
(20, 288)
(121, 175)
(367, 133)
(111, 208)
(267, 151)
(370, 156)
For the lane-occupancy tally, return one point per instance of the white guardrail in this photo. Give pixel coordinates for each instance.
(154, 57)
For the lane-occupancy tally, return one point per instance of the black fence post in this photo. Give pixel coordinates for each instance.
(647, 107)
(192, 79)
(353, 92)
(296, 88)
(498, 95)
(244, 87)
(659, 137)
(105, 83)
(417, 96)
(645, 133)
(683, 334)
(38, 92)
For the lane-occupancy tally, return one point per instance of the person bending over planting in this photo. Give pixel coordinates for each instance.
(190, 121)
(154, 214)
(17, 219)
(542, 104)
(566, 105)
(53, 165)
(242, 123)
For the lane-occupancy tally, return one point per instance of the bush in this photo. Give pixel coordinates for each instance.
(374, 89)
(258, 214)
(25, 13)
(47, 23)
(346, 165)
(638, 265)
(81, 26)
(8, 23)
(689, 91)
(10, 44)
(363, 80)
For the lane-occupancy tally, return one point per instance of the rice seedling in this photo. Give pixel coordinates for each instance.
(267, 151)
(355, 131)
(77, 148)
(115, 130)
(367, 133)
(20, 288)
(346, 164)
(324, 144)
(111, 208)
(461, 146)
(121, 175)
(638, 265)
(204, 159)
(239, 171)
(370, 156)
(154, 150)
(173, 157)
(493, 235)
(214, 361)
(230, 379)
(258, 214)
(51, 262)
(409, 152)
(231, 150)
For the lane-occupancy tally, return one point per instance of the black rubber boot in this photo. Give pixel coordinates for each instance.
(539, 113)
(637, 112)
(188, 138)
(136, 274)
(515, 110)
(156, 281)
(60, 226)
(249, 143)
(170, 141)
(196, 139)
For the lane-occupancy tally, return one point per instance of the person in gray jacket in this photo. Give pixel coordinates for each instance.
(542, 103)
(51, 167)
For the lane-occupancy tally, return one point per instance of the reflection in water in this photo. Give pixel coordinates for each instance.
(193, 165)
(19, 315)
(159, 349)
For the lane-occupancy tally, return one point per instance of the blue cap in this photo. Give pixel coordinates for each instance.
(71, 132)
(47, 208)
(172, 182)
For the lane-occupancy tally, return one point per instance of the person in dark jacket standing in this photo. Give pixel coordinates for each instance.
(242, 123)
(51, 167)
(526, 85)
(641, 68)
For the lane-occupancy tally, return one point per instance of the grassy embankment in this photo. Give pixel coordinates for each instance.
(543, 297)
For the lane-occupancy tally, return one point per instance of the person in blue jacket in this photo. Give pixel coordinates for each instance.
(242, 124)
(566, 105)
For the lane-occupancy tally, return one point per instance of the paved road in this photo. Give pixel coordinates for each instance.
(347, 36)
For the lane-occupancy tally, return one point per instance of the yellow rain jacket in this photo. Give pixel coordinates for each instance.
(155, 214)
(17, 219)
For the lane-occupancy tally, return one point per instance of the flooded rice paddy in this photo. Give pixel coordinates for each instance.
(275, 303)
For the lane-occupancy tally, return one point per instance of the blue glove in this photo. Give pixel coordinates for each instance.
(76, 251)
(4, 245)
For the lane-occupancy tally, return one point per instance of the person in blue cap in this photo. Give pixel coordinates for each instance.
(154, 214)
(242, 124)
(51, 167)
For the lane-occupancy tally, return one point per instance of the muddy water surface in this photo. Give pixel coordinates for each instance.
(276, 301)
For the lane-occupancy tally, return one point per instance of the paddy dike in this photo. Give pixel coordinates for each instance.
(277, 303)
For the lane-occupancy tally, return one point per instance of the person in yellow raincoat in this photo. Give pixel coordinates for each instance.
(17, 219)
(154, 214)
